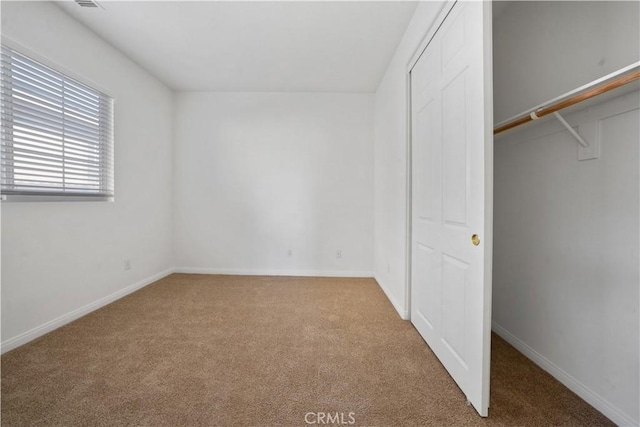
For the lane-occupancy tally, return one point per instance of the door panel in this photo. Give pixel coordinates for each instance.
(451, 113)
(428, 295)
(455, 168)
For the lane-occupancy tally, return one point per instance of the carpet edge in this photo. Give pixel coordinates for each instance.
(267, 272)
(402, 311)
(60, 321)
(591, 397)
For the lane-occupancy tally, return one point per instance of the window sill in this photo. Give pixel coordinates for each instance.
(12, 198)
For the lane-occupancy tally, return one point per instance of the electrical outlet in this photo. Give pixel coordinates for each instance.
(339, 253)
(127, 264)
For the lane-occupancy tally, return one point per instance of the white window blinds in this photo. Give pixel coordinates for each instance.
(57, 133)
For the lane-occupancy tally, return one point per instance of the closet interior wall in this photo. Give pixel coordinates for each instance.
(566, 232)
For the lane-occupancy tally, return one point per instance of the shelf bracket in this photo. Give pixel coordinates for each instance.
(570, 129)
(586, 151)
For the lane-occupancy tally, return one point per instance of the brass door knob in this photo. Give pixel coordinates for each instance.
(475, 240)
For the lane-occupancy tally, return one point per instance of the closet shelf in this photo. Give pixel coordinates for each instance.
(597, 87)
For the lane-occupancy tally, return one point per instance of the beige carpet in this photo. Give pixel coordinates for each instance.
(230, 350)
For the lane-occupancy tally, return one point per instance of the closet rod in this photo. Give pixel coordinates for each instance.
(564, 103)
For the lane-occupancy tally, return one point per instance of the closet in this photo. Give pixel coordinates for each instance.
(527, 223)
(566, 235)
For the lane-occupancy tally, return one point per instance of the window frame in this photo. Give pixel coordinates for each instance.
(70, 197)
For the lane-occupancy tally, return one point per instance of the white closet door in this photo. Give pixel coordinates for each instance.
(452, 168)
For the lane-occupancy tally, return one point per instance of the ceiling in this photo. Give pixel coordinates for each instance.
(254, 46)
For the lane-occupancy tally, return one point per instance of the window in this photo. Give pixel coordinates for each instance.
(57, 134)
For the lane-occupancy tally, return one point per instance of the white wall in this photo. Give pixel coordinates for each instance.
(59, 257)
(566, 247)
(391, 161)
(259, 174)
(543, 49)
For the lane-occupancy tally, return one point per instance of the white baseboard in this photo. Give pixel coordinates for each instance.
(266, 272)
(595, 400)
(402, 311)
(38, 331)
